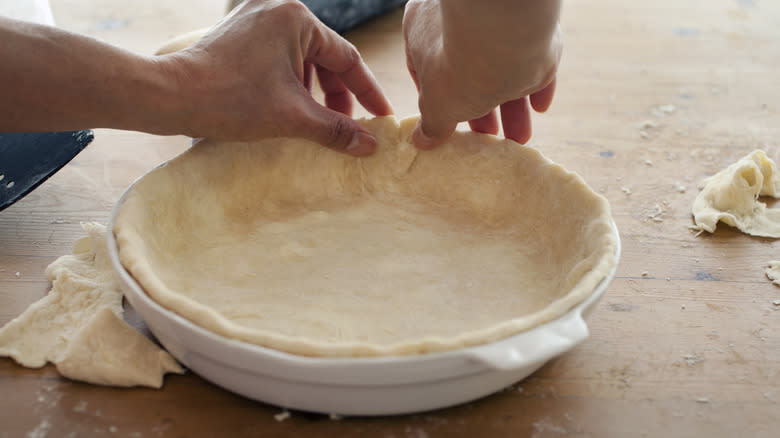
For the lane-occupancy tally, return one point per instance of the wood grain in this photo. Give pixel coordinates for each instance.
(653, 97)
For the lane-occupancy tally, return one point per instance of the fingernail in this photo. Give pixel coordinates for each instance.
(419, 138)
(362, 144)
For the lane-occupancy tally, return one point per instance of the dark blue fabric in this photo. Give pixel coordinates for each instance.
(343, 15)
(27, 159)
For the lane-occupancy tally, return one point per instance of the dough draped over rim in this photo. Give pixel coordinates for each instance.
(289, 245)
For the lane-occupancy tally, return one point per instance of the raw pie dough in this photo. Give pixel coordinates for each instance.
(286, 244)
(181, 42)
(773, 271)
(78, 325)
(731, 196)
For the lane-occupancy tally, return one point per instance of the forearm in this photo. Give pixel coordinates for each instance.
(53, 80)
(517, 34)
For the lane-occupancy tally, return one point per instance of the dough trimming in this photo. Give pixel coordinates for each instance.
(731, 196)
(78, 325)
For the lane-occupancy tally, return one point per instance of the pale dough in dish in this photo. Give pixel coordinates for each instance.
(731, 196)
(78, 325)
(292, 246)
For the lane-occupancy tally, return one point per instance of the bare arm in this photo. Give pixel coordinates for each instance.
(248, 78)
(56, 80)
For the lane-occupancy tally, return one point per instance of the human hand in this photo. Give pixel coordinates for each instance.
(468, 58)
(251, 76)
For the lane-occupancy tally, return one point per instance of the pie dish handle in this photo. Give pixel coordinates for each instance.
(535, 347)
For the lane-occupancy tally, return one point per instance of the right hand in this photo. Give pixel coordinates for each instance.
(468, 58)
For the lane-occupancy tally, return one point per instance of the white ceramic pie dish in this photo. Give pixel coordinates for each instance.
(358, 385)
(476, 264)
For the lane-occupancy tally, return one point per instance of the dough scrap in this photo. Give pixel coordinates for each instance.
(82, 312)
(108, 351)
(731, 196)
(773, 271)
(292, 246)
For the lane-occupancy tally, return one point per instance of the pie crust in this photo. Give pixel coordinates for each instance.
(289, 245)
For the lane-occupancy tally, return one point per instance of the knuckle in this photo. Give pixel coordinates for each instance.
(291, 7)
(351, 52)
(289, 11)
(338, 133)
(330, 130)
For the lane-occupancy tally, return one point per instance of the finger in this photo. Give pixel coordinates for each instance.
(427, 135)
(329, 128)
(542, 99)
(334, 53)
(409, 13)
(516, 120)
(337, 96)
(409, 10)
(412, 70)
(308, 70)
(487, 124)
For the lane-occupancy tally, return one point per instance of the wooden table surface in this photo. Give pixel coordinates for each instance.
(686, 341)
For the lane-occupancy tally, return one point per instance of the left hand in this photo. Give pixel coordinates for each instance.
(251, 76)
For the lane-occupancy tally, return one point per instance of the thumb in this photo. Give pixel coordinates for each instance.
(334, 130)
(429, 133)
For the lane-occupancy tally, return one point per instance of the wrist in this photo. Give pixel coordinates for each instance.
(150, 97)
